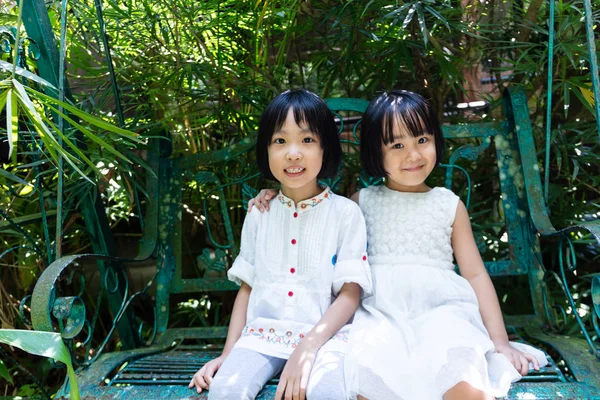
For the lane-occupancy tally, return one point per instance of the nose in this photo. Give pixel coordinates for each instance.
(414, 154)
(293, 153)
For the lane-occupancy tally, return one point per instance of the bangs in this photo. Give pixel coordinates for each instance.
(405, 119)
(303, 114)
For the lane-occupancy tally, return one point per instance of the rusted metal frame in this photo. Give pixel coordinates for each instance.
(39, 28)
(69, 311)
(516, 105)
(169, 237)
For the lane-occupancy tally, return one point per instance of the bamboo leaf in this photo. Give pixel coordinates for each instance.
(3, 97)
(26, 74)
(13, 177)
(588, 95)
(421, 19)
(409, 16)
(4, 372)
(438, 16)
(87, 117)
(12, 124)
(46, 344)
(72, 145)
(52, 145)
(91, 136)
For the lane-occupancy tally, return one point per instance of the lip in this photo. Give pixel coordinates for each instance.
(294, 174)
(414, 169)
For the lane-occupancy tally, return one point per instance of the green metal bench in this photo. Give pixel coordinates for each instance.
(509, 218)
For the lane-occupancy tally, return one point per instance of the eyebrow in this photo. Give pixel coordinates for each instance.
(304, 130)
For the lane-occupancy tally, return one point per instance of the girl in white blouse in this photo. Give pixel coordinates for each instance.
(301, 267)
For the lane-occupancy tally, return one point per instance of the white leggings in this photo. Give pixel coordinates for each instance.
(245, 372)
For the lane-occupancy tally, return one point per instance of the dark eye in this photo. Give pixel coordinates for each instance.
(397, 146)
(423, 140)
(308, 140)
(279, 141)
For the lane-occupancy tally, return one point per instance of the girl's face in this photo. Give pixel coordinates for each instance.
(409, 161)
(295, 159)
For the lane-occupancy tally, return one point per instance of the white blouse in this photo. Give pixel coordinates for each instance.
(296, 259)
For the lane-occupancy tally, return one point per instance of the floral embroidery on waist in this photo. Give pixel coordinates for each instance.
(272, 335)
(283, 338)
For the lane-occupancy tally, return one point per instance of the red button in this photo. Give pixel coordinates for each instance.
(293, 241)
(290, 294)
(293, 270)
(364, 258)
(295, 215)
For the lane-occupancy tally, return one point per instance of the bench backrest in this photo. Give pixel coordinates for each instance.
(502, 197)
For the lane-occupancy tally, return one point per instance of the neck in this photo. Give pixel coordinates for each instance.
(302, 193)
(421, 188)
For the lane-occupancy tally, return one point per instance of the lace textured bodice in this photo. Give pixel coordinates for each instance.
(409, 228)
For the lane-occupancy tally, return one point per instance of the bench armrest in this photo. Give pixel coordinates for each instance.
(67, 314)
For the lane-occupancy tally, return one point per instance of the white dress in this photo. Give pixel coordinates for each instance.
(296, 259)
(421, 332)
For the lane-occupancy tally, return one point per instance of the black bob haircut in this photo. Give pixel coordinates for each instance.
(407, 110)
(309, 109)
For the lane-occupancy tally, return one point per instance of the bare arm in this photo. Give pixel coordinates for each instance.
(473, 270)
(294, 377)
(238, 318)
(336, 316)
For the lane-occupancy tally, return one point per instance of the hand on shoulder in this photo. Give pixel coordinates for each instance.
(262, 200)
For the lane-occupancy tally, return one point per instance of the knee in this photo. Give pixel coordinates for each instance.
(228, 388)
(464, 391)
(324, 390)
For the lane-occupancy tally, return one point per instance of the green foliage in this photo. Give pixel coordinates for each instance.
(200, 73)
(4, 373)
(46, 344)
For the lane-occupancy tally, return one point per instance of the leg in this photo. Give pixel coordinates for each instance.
(464, 391)
(243, 374)
(326, 380)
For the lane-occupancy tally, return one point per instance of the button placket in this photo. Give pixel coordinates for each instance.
(293, 262)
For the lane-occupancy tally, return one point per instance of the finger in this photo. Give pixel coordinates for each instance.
(534, 361)
(280, 389)
(258, 203)
(193, 381)
(250, 204)
(302, 395)
(201, 383)
(524, 365)
(296, 390)
(289, 389)
(265, 203)
(303, 386)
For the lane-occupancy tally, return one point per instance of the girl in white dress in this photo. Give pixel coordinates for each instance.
(301, 267)
(427, 332)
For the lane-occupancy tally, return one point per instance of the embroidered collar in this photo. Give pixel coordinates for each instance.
(307, 204)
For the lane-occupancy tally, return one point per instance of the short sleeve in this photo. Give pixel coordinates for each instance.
(242, 269)
(351, 263)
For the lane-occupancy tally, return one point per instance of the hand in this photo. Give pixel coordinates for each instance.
(261, 201)
(294, 378)
(204, 376)
(519, 360)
